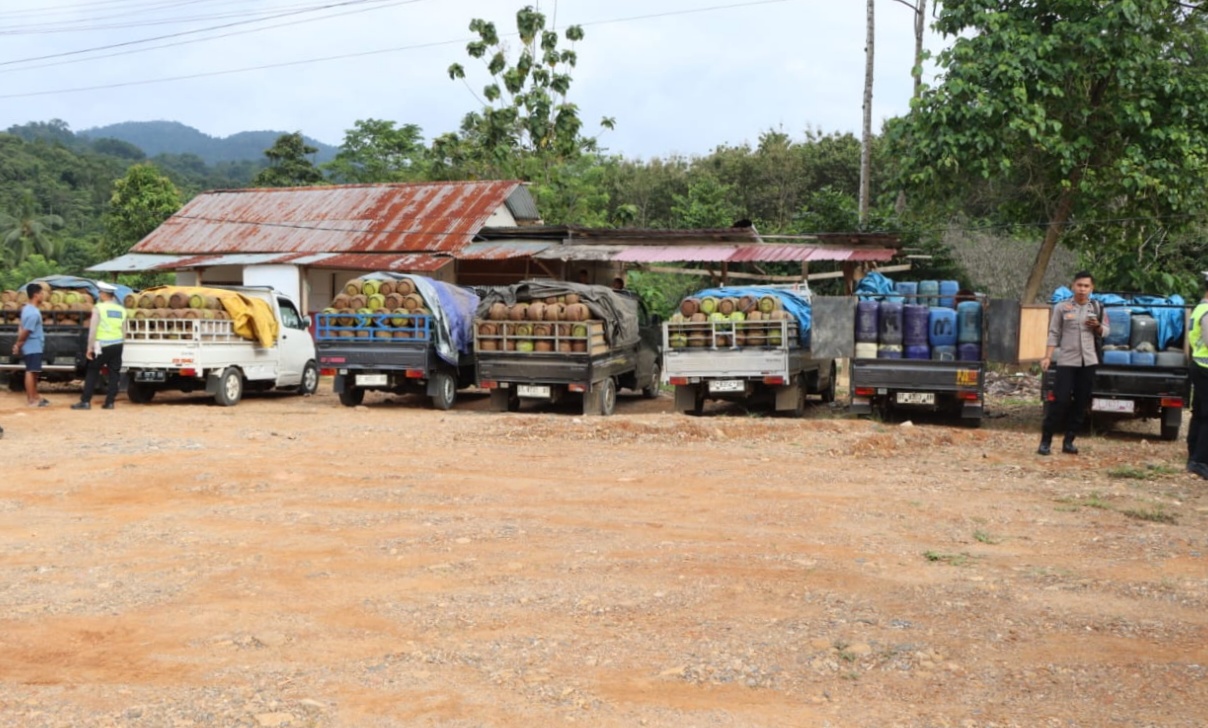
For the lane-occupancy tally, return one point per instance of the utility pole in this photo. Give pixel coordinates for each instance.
(866, 146)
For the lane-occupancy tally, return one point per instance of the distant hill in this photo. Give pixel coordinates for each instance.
(172, 137)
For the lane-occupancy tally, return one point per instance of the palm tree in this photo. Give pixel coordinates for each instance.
(27, 232)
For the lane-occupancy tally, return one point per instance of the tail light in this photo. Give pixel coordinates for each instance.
(865, 391)
(415, 373)
(968, 396)
(773, 380)
(1172, 401)
(188, 372)
(488, 384)
(576, 387)
(1050, 397)
(679, 381)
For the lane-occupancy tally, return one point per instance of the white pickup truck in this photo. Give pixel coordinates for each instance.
(190, 355)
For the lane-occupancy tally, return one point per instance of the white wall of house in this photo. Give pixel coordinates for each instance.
(188, 278)
(502, 217)
(285, 278)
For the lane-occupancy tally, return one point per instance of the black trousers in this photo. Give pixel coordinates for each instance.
(1072, 398)
(1197, 435)
(110, 356)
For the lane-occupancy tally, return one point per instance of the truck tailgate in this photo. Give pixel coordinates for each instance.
(395, 354)
(917, 374)
(1141, 381)
(532, 368)
(747, 362)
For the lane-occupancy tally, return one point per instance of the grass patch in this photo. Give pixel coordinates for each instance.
(986, 537)
(1148, 471)
(1094, 500)
(951, 559)
(1157, 514)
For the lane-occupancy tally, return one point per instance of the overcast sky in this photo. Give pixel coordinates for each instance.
(678, 76)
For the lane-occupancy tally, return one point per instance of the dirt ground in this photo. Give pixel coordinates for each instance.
(292, 562)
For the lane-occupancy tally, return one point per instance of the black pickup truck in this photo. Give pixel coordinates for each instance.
(544, 359)
(401, 352)
(63, 359)
(1129, 392)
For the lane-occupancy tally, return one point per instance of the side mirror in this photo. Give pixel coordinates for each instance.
(306, 322)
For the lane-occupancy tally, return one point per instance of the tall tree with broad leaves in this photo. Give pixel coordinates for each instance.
(288, 164)
(378, 151)
(141, 201)
(1085, 109)
(527, 127)
(27, 231)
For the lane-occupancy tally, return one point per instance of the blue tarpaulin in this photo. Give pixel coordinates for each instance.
(452, 309)
(875, 286)
(1167, 311)
(793, 302)
(87, 284)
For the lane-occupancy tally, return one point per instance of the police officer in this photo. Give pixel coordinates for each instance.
(105, 339)
(1197, 434)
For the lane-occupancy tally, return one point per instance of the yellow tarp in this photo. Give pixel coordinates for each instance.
(252, 317)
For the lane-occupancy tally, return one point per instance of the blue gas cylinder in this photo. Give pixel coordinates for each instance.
(916, 351)
(914, 324)
(968, 352)
(1119, 325)
(948, 291)
(866, 321)
(1117, 357)
(969, 322)
(1142, 358)
(889, 323)
(946, 352)
(941, 327)
(908, 290)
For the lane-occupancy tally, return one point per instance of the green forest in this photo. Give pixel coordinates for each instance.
(1058, 137)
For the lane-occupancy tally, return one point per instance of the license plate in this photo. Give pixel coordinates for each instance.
(726, 385)
(1126, 406)
(915, 398)
(146, 376)
(372, 380)
(532, 390)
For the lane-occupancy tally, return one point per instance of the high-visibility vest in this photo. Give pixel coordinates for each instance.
(1199, 352)
(110, 316)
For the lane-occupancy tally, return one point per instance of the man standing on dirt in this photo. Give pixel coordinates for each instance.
(1197, 434)
(104, 347)
(30, 343)
(1073, 328)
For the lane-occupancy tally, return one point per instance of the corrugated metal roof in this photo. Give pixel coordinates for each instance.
(503, 250)
(411, 262)
(747, 253)
(132, 262)
(581, 252)
(421, 218)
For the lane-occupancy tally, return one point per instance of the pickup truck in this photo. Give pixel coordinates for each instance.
(66, 335)
(398, 352)
(1133, 391)
(707, 360)
(891, 387)
(210, 355)
(616, 346)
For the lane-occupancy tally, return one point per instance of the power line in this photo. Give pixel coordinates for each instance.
(360, 54)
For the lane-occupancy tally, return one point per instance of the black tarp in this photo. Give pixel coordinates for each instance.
(618, 309)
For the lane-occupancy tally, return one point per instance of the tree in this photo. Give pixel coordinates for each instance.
(28, 231)
(527, 128)
(288, 165)
(141, 201)
(376, 151)
(1087, 109)
(708, 204)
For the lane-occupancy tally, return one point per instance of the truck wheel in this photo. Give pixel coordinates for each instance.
(446, 390)
(828, 392)
(310, 379)
(140, 392)
(1172, 420)
(608, 396)
(352, 396)
(652, 391)
(230, 387)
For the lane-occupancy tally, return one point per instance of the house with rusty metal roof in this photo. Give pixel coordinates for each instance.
(309, 241)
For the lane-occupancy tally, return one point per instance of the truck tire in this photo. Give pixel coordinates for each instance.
(1172, 420)
(310, 379)
(352, 396)
(446, 390)
(140, 392)
(651, 391)
(230, 387)
(828, 392)
(608, 396)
